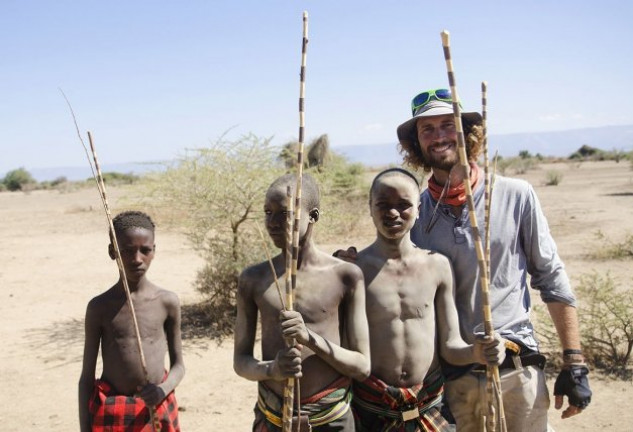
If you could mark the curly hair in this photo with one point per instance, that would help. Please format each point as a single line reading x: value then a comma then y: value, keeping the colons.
x: 412, y: 154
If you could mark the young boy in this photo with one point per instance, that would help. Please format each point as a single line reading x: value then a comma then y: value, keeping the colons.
x: 328, y: 323
x: 411, y: 314
x: 122, y: 398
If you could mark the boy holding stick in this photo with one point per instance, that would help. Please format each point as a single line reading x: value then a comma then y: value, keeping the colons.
x: 122, y: 397
x: 412, y: 318
x: 329, y: 322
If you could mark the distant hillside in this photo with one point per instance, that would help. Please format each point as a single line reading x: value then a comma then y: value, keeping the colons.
x: 559, y: 144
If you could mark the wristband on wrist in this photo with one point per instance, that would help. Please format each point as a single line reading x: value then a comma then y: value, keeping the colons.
x: 572, y: 351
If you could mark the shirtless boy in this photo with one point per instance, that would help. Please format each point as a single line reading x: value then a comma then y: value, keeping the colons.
x: 412, y: 315
x: 329, y: 323
x: 122, y: 395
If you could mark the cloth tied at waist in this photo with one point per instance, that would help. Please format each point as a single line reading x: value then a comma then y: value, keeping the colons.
x: 113, y: 412
x: 411, y: 408
x: 322, y: 408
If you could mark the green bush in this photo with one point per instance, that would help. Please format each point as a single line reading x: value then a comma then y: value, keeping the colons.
x: 19, y: 179
x: 605, y: 316
x: 216, y: 196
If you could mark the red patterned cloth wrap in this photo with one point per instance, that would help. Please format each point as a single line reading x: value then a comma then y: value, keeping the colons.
x: 327, y: 410
x: 110, y: 412
x: 379, y: 407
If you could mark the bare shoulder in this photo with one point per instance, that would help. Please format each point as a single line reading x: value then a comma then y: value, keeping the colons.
x: 102, y: 302
x: 252, y: 276
x: 169, y: 298
x: 350, y: 273
x: 431, y: 256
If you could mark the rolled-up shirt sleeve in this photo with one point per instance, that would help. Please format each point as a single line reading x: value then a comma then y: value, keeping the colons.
x: 544, y: 265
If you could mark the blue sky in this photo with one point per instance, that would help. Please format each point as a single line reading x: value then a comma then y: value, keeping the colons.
x: 152, y: 78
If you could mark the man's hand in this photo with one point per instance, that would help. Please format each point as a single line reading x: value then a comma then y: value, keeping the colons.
x: 287, y: 364
x: 293, y: 327
x: 348, y: 255
x: 151, y: 394
x: 489, y: 350
x: 573, y: 383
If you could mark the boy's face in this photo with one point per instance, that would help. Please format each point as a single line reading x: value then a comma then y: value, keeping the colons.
x: 137, y: 252
x: 276, y: 210
x: 394, y: 205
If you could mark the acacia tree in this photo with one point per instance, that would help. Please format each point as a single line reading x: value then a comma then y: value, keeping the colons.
x: 214, y: 193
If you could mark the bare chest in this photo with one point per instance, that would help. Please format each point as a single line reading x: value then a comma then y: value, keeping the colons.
x: 150, y: 318
x: 397, y: 292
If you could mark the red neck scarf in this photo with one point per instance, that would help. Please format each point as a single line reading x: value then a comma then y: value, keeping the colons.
x: 454, y: 195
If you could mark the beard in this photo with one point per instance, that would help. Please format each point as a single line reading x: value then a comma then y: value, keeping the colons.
x: 444, y: 161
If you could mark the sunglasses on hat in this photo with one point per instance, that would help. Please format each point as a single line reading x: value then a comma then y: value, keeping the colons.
x: 424, y: 98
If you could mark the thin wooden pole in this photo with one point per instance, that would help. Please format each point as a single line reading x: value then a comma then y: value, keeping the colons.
x: 287, y: 424
x: 483, y: 273
x: 490, y: 391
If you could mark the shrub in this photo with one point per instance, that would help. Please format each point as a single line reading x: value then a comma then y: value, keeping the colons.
x: 116, y: 178
x: 605, y: 315
x: 216, y: 196
x: 19, y: 179
x: 553, y: 177
x: 613, y: 250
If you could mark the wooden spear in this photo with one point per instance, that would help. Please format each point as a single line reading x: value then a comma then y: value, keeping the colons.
x: 483, y: 272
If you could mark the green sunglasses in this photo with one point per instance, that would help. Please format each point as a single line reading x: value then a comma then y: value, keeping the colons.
x: 424, y: 98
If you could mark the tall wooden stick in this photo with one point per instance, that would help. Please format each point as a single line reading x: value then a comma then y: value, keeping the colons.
x: 491, y: 417
x: 483, y: 273
x: 155, y: 421
x: 287, y: 423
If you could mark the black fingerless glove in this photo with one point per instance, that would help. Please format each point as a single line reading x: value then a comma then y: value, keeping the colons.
x: 573, y: 383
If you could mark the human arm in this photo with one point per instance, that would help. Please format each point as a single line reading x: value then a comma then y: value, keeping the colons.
x: 352, y: 357
x: 549, y: 277
x: 485, y: 350
x: 87, y: 378
x: 572, y: 380
x: 287, y: 362
x: 153, y: 394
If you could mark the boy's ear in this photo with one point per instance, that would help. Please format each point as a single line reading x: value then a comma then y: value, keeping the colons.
x: 314, y: 215
x: 111, y: 251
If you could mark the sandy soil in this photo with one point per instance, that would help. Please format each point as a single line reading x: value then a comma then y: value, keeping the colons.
x: 54, y: 260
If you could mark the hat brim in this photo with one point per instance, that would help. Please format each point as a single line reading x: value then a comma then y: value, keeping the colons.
x: 407, y: 130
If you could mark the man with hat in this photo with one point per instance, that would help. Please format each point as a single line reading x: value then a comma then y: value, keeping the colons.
x: 521, y: 246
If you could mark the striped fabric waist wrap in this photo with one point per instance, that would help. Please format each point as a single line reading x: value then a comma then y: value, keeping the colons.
x: 375, y: 396
x: 330, y: 404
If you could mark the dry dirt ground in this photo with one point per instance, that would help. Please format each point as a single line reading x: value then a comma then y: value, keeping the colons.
x: 53, y: 260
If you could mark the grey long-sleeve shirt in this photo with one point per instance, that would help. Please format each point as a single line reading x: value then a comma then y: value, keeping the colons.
x: 521, y: 244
